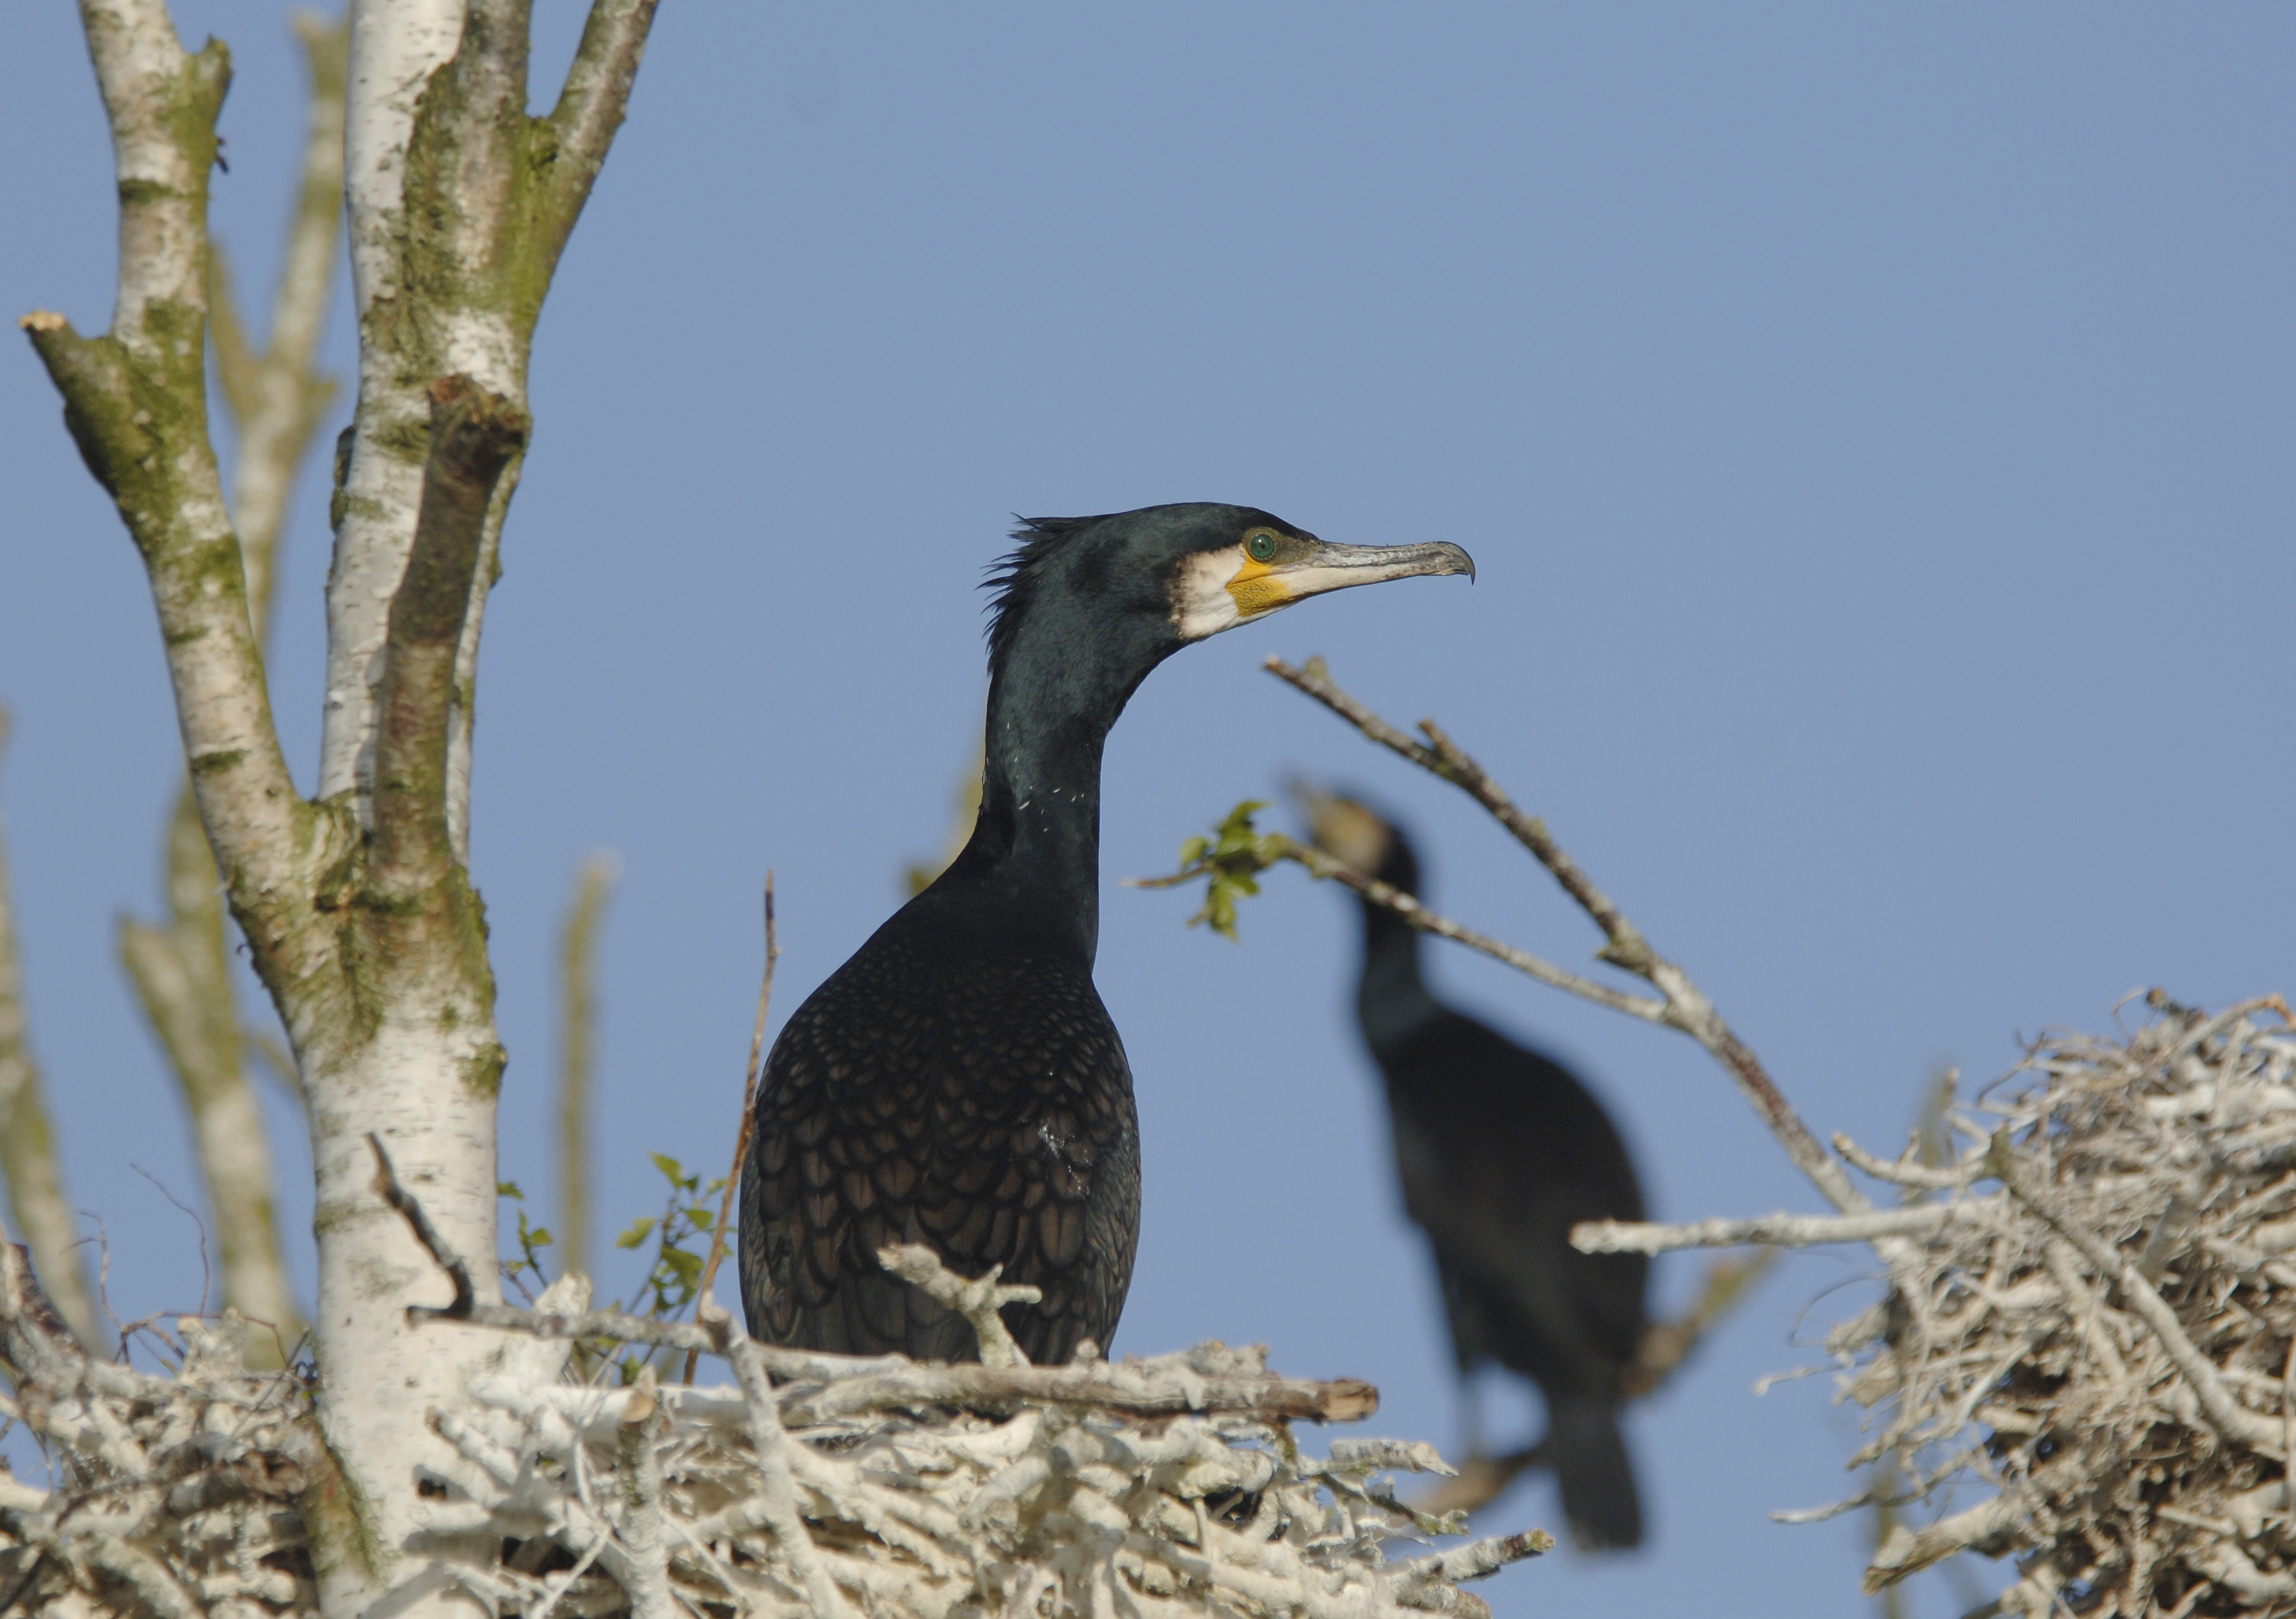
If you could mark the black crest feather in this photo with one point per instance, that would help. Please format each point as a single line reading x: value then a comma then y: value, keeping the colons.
x: 1012, y: 576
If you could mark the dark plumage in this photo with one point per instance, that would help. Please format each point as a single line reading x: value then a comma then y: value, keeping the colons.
x: 959, y: 1082
x: 1501, y: 1151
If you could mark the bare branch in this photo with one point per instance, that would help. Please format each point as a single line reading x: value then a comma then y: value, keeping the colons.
x: 135, y: 401
x: 155, y: 1587
x: 1477, y: 1558
x: 1687, y: 1007
x: 1781, y: 1230
x: 590, y: 108
x: 892, y: 1382
x: 889, y: 1383
x: 28, y: 1149
x: 1444, y: 759
x: 1909, y: 1170
x: 748, y: 1110
x: 1275, y: 845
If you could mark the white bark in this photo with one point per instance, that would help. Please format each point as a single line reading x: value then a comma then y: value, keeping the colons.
x: 377, y: 1374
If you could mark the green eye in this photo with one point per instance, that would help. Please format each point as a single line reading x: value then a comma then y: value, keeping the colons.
x: 1259, y: 546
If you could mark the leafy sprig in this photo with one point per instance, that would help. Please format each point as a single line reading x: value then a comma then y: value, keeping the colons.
x: 1229, y: 861
x: 680, y: 1234
x: 531, y: 1240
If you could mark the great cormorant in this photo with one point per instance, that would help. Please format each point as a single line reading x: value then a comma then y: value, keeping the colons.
x: 959, y: 1082
x: 1501, y: 1151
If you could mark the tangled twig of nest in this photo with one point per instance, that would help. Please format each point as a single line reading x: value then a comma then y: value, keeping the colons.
x: 2090, y: 1316
x: 820, y: 1485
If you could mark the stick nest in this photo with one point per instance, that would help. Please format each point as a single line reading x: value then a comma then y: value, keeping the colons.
x: 2102, y: 1325
x: 181, y: 1496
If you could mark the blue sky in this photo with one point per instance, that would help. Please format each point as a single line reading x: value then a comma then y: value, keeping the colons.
x: 1872, y: 424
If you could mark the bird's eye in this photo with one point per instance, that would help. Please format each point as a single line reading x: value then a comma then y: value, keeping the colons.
x: 1259, y: 545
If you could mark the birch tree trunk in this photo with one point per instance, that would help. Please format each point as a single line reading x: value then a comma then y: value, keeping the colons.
x: 357, y: 905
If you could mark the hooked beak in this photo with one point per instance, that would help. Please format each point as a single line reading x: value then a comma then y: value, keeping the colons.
x: 1262, y: 588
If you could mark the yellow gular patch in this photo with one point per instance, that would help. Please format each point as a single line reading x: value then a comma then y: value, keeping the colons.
x: 1256, y: 589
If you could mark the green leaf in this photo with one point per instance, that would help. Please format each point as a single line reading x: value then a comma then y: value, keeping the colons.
x: 509, y: 1189
x: 538, y: 1238
x: 702, y: 1218
x: 671, y: 1168
x: 640, y: 1229
x: 1231, y: 861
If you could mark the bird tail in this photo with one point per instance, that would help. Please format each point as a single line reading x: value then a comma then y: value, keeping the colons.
x: 1597, y: 1479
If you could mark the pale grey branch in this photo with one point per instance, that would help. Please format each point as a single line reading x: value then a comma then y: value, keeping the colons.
x: 1779, y: 1230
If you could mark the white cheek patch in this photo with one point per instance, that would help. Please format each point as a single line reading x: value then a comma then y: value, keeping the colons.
x: 1201, y: 602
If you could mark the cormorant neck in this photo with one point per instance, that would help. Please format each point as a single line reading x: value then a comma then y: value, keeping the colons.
x: 1035, y: 849
x: 1392, y: 1000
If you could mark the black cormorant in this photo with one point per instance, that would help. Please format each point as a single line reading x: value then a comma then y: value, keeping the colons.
x: 959, y: 1082
x: 1501, y: 1151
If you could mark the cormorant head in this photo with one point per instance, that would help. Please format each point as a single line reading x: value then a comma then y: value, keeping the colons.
x: 1349, y: 830
x: 1154, y: 581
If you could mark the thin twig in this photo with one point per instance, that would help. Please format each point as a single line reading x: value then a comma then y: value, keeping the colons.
x: 749, y: 1115
x: 1408, y: 907
x: 386, y: 1182
x: 1687, y: 1007
x: 206, y: 1276
x: 1909, y: 1172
